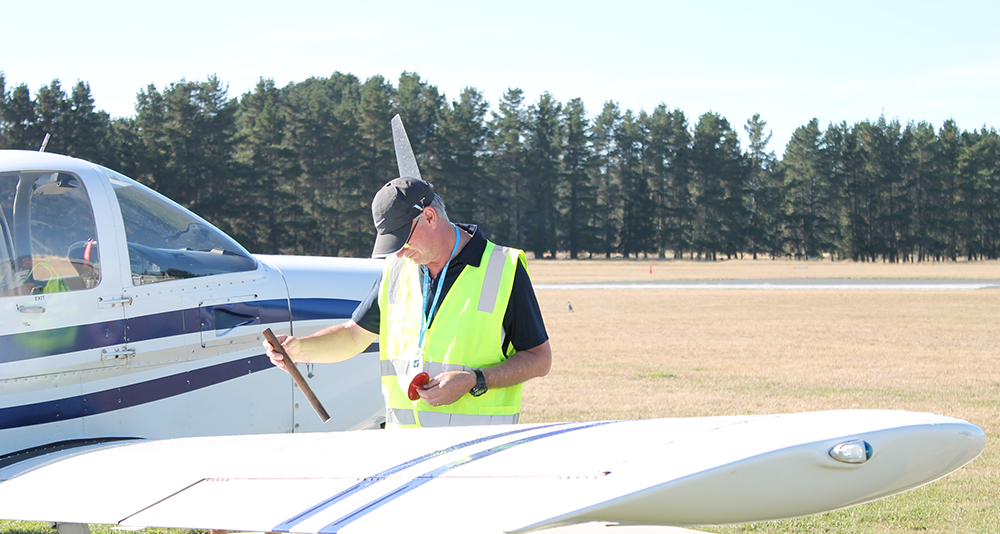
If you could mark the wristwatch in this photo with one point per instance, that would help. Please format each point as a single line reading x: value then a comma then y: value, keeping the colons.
x: 480, y: 386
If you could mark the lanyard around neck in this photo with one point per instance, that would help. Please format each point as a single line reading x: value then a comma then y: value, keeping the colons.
x: 425, y: 314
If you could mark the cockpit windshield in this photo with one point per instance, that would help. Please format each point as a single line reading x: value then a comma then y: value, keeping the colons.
x: 168, y: 242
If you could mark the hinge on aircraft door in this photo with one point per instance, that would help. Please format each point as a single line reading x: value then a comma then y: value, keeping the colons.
x: 117, y: 354
x: 111, y: 302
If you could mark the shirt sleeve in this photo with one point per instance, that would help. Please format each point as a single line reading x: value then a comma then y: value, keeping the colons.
x: 522, y: 321
x: 367, y: 313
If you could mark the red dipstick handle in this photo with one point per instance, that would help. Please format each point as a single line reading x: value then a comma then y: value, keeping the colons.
x: 418, y: 381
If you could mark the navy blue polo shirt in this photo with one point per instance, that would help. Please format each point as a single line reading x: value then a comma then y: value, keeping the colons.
x: 522, y: 322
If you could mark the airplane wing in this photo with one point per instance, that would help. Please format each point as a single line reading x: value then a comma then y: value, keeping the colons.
x: 519, y: 478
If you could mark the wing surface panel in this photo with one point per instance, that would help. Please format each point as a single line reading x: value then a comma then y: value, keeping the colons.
x: 678, y: 471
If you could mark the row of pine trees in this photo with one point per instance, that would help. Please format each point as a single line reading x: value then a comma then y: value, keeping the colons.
x: 292, y: 170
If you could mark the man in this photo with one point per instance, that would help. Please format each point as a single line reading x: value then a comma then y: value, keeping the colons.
x: 449, y: 303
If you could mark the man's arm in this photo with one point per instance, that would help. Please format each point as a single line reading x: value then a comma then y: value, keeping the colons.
x: 519, y: 368
x: 448, y: 387
x: 332, y: 344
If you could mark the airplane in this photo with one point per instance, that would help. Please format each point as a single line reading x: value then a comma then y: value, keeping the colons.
x: 134, y: 394
x: 124, y: 315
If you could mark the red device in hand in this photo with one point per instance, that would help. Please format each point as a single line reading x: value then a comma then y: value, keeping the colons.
x: 418, y: 381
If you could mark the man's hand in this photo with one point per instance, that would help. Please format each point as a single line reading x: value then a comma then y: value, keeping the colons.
x: 291, y: 346
x: 447, y: 387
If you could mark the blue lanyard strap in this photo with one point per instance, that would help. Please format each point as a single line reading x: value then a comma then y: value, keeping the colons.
x: 427, y: 315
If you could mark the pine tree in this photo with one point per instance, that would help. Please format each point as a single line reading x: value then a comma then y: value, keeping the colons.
x: 719, y: 187
x: 577, y: 196
x: 845, y: 149
x: 269, y: 170
x: 87, y: 131
x: 17, y: 118
x: 810, y: 224
x: 638, y: 211
x: 885, y: 161
x: 376, y: 162
x: 764, y: 201
x: 461, y: 180
x: 507, y: 166
x: 321, y: 131
x: 668, y: 164
x: 51, y: 110
x: 188, y: 135
x: 949, y: 141
x: 543, y: 152
x: 980, y: 163
x: 923, y: 236
x: 608, y: 213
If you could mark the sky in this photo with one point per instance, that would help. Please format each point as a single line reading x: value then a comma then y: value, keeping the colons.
x: 789, y: 61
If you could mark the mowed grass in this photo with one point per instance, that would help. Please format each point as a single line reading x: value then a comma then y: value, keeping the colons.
x: 624, y: 354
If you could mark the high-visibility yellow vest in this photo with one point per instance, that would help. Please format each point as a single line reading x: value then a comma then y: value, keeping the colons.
x: 467, y: 333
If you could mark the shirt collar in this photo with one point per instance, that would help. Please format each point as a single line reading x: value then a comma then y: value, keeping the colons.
x: 472, y: 252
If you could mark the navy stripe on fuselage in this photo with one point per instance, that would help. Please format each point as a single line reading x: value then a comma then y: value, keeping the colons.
x: 420, y: 480
x: 29, y: 345
x: 378, y: 477
x: 131, y: 395
x: 50, y: 342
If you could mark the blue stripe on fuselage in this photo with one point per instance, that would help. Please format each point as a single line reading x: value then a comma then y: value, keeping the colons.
x: 131, y: 395
x: 50, y: 342
x: 29, y: 345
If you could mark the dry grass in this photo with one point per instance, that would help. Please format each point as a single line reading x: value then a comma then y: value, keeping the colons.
x: 674, y: 353
x: 566, y: 271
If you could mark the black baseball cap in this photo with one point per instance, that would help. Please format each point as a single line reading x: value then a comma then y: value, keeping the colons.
x: 394, y: 207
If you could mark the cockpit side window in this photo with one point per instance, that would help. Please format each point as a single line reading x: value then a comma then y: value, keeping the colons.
x: 168, y: 242
x: 49, y: 235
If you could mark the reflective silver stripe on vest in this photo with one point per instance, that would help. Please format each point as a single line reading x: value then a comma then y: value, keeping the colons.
x: 491, y: 282
x: 399, y: 367
x: 434, y: 368
x: 460, y: 419
x: 399, y: 417
x: 429, y: 419
x: 394, y: 274
x: 394, y: 367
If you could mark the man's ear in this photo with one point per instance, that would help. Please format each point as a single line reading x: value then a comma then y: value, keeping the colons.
x: 431, y: 217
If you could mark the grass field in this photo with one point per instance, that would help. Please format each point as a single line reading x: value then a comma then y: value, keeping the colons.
x: 625, y: 354
x: 675, y: 353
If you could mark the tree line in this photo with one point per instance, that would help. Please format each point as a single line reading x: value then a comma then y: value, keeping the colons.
x: 292, y: 170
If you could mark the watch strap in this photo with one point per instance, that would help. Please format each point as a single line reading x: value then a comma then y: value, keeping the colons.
x: 480, y: 386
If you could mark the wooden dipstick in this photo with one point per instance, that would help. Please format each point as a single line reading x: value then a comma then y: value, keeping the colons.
x: 296, y: 375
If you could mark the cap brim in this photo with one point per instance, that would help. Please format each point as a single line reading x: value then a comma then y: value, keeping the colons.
x: 391, y: 242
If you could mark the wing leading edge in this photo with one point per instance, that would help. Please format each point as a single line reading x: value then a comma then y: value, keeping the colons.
x: 691, y: 471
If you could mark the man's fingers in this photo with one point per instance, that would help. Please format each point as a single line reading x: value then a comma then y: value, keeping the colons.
x: 276, y: 358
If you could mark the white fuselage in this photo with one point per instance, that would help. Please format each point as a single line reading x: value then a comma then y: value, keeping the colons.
x: 177, y: 357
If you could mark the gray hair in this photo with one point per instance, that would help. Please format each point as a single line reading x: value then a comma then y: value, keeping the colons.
x: 438, y: 206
